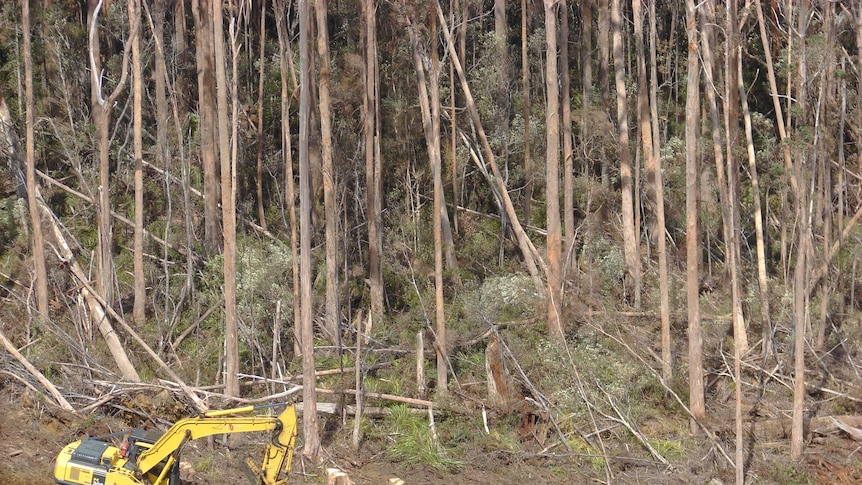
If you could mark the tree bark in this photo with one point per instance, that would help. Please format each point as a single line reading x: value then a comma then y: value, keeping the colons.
x: 371, y: 134
x: 692, y: 121
x: 261, y: 214
x: 227, y: 155
x: 311, y: 449
x: 431, y: 125
x: 630, y: 243
x: 604, y: 68
x: 37, y: 240
x: 290, y: 195
x: 760, y: 246
x: 331, y: 212
x: 552, y: 177
x: 207, y: 123
x: 568, y: 149
x: 526, y: 206
x: 101, y: 109
x: 661, y: 249
x: 137, y: 142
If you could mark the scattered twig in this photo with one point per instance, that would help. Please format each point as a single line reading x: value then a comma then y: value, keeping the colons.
x: 670, y: 391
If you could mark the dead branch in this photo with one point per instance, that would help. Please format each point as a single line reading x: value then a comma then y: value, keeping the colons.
x: 35, y: 372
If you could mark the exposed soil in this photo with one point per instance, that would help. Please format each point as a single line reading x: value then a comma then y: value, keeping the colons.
x: 32, y: 432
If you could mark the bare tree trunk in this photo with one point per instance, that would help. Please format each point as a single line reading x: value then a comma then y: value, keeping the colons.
x: 311, y: 448
x: 776, y: 101
x: 290, y: 195
x: 330, y: 210
x: 820, y: 152
x: 568, y: 150
x: 261, y: 214
x: 526, y: 206
x: 692, y: 121
x: 228, y: 197
x: 37, y: 242
x: 766, y: 322
x: 372, y: 160
x: 208, y: 123
x: 431, y: 125
x: 604, y: 82
x: 453, y: 136
x: 137, y: 142
x: 101, y: 108
x: 630, y: 243
x: 552, y: 177
x: 804, y: 243
x: 800, y: 305
x: 724, y: 175
x: 528, y: 250
x: 740, y: 339
x: 658, y: 180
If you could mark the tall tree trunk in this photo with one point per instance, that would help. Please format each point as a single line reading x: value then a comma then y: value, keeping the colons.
x: 824, y: 105
x: 228, y: 199
x: 664, y: 290
x: 208, y: 122
x: 431, y: 125
x: 102, y: 108
x: 101, y: 121
x: 331, y: 213
x: 725, y: 176
x: 290, y: 195
x: 37, y: 241
x: 604, y: 68
x: 804, y: 243
x: 453, y: 136
x: 800, y: 305
x: 372, y: 160
x: 261, y: 214
x: 568, y: 149
x: 630, y: 243
x: 137, y: 142
x: 552, y: 177
x: 311, y: 449
x: 525, y: 88
x: 692, y: 122
x: 760, y: 245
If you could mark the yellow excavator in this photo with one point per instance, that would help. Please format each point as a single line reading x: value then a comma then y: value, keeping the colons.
x: 151, y: 458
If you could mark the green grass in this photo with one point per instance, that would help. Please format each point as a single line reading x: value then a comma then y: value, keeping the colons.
x: 414, y: 441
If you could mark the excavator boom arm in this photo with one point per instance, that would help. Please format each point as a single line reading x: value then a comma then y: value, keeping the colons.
x: 223, y: 422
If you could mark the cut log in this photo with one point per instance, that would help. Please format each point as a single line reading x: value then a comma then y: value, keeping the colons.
x: 334, y: 476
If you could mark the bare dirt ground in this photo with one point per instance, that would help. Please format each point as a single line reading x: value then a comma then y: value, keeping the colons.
x: 32, y: 432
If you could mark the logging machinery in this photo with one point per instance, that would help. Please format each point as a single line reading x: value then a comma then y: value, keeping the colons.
x: 152, y: 458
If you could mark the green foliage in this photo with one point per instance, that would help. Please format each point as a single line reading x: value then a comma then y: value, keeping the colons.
x: 501, y: 298
x: 608, y: 258
x: 12, y: 220
x: 414, y: 441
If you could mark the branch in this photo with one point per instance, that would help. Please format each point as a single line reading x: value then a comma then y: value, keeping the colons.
x: 35, y: 372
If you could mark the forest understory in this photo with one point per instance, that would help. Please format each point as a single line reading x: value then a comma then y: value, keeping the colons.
x: 475, y: 241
